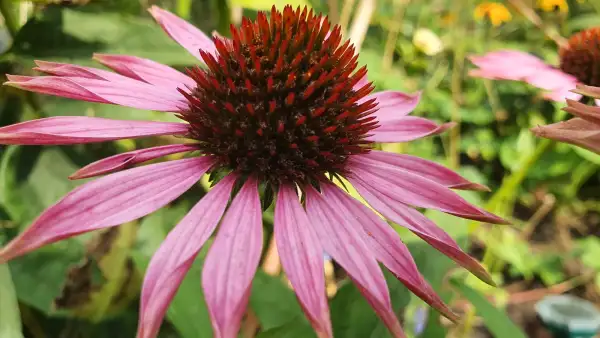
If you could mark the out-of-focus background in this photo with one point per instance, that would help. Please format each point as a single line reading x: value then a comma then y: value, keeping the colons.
x: 89, y: 286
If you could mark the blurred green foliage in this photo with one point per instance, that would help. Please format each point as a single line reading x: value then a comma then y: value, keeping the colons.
x: 88, y: 286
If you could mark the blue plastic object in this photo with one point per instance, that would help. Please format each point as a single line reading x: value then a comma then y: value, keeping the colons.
x: 569, y: 317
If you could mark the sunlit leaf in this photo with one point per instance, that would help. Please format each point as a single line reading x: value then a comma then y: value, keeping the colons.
x: 10, y: 321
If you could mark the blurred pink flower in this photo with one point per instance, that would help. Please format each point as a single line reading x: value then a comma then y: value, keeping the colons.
x: 280, y: 104
x: 579, y: 63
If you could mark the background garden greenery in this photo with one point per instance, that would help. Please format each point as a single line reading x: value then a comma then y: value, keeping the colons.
x: 89, y: 286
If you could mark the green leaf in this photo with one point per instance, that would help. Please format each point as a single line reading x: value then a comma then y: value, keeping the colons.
x: 272, y: 301
x: 584, y: 21
x: 496, y: 320
x: 10, y: 321
x: 33, y: 179
x: 352, y: 316
x: 588, y: 155
x: 63, y: 34
x: 40, y: 276
x: 103, y: 283
x: 261, y: 5
x: 297, y: 328
x: 187, y: 312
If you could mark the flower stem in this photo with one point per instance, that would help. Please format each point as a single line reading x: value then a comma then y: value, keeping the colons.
x: 334, y: 11
x: 392, y: 38
x: 361, y: 22
x: 530, y: 15
x: 10, y: 321
x: 456, y: 86
x: 345, y: 15
x: 183, y: 8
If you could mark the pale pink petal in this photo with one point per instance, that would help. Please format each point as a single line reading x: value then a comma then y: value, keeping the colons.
x: 407, y: 128
x: 342, y: 238
x: 82, y: 129
x: 520, y: 66
x: 129, y: 159
x: 232, y: 262
x: 575, y: 131
x: 302, y: 258
x: 128, y: 92
x: 108, y: 201
x: 176, y: 254
x: 408, y: 188
x: 551, y: 79
x: 393, y: 104
x: 425, y: 168
x: 561, y: 94
x: 422, y: 226
x: 507, y: 65
x: 146, y: 70
x: 184, y: 33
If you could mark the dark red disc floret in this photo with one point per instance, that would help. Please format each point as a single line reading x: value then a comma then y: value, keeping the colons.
x: 278, y: 99
x: 581, y: 56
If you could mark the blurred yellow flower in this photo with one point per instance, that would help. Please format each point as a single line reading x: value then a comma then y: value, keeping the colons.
x: 553, y: 5
x: 427, y: 41
x: 496, y: 12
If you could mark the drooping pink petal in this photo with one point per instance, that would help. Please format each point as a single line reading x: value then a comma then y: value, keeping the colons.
x: 590, y: 91
x: 129, y: 93
x: 588, y: 113
x: 176, y: 254
x: 342, y: 237
x: 146, y: 70
x: 184, y: 33
x: 108, y: 201
x: 393, y: 104
x: 421, y: 226
x: 406, y: 128
x: 387, y: 247
x: 302, y: 258
x: 165, y: 77
x: 69, y: 70
x: 408, y: 188
x: 425, y: 168
x: 507, y: 65
x: 53, y: 86
x: 232, y: 262
x: 126, y: 160
x: 575, y: 131
x: 82, y: 129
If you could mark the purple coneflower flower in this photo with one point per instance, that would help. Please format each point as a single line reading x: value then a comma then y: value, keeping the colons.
x: 579, y: 63
x: 279, y: 105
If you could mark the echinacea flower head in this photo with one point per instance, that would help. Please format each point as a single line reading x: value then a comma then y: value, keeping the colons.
x: 583, y: 130
x: 579, y: 63
x: 495, y: 12
x: 281, y: 105
x: 580, y: 57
